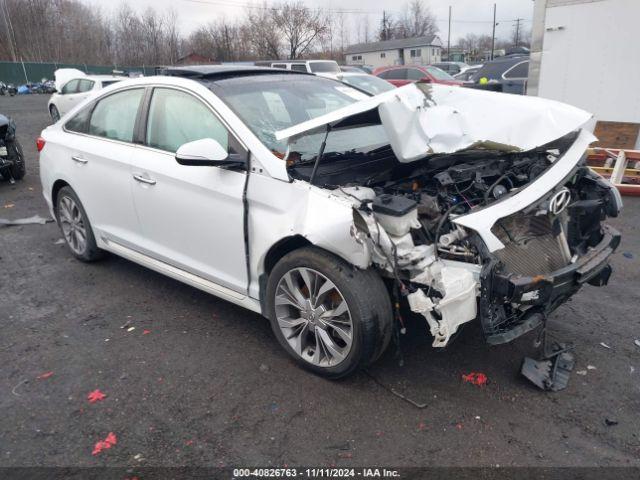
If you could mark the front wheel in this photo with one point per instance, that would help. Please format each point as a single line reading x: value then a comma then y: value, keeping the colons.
x: 331, y: 317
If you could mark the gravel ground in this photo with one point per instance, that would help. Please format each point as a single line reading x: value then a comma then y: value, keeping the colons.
x: 202, y: 382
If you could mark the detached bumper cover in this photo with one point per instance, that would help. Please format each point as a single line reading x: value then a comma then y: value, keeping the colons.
x: 543, y: 293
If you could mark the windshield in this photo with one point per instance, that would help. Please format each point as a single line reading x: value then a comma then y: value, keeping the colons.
x: 439, y: 74
x: 324, y: 67
x: 368, y: 83
x: 269, y: 103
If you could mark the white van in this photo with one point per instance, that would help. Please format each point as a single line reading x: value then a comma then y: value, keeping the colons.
x: 318, y: 67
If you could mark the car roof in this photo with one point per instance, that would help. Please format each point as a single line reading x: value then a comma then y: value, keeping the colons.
x: 221, y: 71
x: 103, y: 77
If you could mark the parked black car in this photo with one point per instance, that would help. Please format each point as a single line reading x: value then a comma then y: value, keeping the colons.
x: 506, y: 74
x: 12, y: 166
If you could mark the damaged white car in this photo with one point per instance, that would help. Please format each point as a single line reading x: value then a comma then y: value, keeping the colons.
x: 328, y: 211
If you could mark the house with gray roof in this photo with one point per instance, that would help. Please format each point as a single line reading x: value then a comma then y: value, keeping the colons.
x: 401, y: 51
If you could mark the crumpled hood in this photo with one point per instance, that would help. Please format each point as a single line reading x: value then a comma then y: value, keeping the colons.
x: 423, y: 119
x: 63, y: 75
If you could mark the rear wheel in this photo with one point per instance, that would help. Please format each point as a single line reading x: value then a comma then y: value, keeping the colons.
x: 75, y: 226
x: 331, y: 317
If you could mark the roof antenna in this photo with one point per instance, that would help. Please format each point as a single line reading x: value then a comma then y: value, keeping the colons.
x: 320, y: 155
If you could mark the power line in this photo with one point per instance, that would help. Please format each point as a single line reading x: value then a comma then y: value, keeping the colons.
x: 353, y: 11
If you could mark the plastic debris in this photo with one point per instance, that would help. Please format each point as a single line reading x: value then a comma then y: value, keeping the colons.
x: 131, y: 329
x: 44, y: 376
x: 9, y: 205
x: 605, y: 345
x: 637, y: 342
x: 96, y: 396
x: 36, y: 219
x: 610, y: 422
x: 146, y: 332
x: 105, y: 444
x: 552, y: 372
x: 581, y: 372
x: 60, y: 241
x: 591, y: 367
x: 627, y: 255
x: 476, y: 378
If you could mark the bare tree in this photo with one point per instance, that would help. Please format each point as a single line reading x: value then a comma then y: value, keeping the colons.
x: 262, y: 33
x: 300, y: 26
x: 416, y: 21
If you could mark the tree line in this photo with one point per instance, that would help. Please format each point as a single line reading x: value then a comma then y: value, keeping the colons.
x: 70, y: 31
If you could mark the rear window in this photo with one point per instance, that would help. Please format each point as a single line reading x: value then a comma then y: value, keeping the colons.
x: 299, y: 67
x: 324, y: 67
x: 394, y: 74
x: 85, y: 85
x: 521, y: 70
x: 106, y: 83
x: 439, y: 74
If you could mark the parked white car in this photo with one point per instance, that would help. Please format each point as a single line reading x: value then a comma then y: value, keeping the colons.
x: 73, y: 86
x: 319, y: 67
x: 296, y: 197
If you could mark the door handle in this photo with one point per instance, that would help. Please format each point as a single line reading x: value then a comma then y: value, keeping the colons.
x: 79, y: 159
x: 149, y: 181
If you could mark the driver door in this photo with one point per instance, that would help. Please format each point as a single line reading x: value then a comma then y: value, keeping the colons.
x: 191, y: 217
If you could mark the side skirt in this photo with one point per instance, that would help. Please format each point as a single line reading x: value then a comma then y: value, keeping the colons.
x: 182, y: 276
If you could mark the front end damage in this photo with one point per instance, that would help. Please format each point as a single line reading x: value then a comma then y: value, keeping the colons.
x: 499, y: 225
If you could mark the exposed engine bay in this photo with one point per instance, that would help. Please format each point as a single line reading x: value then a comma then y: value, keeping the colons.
x: 406, y: 216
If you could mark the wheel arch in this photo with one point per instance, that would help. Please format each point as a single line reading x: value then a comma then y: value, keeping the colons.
x: 55, y: 189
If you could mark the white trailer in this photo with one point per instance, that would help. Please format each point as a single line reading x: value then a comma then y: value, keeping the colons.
x: 587, y: 53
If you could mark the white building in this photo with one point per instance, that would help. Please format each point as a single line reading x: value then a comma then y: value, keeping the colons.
x: 587, y: 53
x: 405, y: 51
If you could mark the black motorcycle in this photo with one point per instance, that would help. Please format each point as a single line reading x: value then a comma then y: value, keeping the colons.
x: 12, y: 166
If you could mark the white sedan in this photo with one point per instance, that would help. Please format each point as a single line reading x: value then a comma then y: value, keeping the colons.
x: 334, y: 213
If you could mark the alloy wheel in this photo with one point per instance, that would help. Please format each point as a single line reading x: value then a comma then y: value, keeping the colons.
x: 314, y: 317
x: 72, y: 224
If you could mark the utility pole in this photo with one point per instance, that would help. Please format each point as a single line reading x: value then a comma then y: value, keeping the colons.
x: 385, y: 34
x: 449, y: 37
x: 493, y: 34
x: 518, y: 20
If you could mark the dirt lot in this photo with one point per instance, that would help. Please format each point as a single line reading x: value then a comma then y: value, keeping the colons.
x: 202, y: 382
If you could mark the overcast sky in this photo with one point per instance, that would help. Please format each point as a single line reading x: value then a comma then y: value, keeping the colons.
x: 468, y: 15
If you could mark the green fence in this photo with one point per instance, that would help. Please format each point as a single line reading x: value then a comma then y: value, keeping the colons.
x: 19, y: 72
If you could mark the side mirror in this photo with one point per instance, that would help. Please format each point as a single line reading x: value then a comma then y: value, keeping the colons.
x: 205, y: 152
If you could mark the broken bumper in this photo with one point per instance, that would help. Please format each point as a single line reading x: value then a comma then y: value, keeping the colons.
x: 542, y: 293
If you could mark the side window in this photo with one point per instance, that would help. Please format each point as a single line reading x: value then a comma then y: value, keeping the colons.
x: 521, y: 70
x: 176, y: 118
x: 115, y: 115
x: 80, y: 121
x: 70, y: 87
x: 396, y: 74
x: 85, y: 85
x: 279, y: 65
x: 299, y: 67
x: 414, y: 74
x: 383, y: 55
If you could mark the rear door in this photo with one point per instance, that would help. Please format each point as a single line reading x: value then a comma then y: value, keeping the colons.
x: 65, y: 100
x: 191, y: 216
x: 515, y: 79
x: 97, y: 149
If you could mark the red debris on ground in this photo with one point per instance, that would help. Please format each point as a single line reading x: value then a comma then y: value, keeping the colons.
x: 105, y: 444
x: 44, y: 375
x: 459, y: 426
x: 476, y: 378
x: 188, y: 442
x: 146, y: 332
x: 95, y: 396
x: 422, y: 426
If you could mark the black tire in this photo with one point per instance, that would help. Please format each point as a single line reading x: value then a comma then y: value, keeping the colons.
x: 18, y: 169
x: 90, y: 252
x: 55, y: 114
x: 368, y: 303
